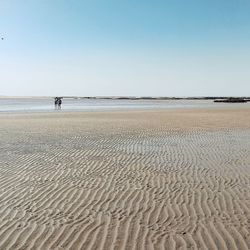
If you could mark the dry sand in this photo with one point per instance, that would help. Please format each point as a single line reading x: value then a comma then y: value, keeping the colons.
x: 174, y: 179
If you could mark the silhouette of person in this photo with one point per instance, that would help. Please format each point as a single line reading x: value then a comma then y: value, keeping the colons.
x: 59, y: 103
x: 56, y: 102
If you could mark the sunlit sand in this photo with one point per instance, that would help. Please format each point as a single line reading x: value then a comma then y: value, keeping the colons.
x: 169, y: 179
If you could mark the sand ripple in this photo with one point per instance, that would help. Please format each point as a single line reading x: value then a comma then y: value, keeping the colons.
x: 111, y: 183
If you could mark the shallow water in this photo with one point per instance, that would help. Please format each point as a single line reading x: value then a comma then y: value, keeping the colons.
x: 47, y: 104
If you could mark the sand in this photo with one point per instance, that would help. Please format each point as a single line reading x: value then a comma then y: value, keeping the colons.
x: 170, y: 179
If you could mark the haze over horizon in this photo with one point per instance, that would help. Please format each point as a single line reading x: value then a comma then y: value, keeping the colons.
x: 112, y: 48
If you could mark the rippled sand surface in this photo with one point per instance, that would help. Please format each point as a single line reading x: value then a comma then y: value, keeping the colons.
x: 176, y: 179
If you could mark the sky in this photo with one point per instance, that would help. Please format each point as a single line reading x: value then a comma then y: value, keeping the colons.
x: 125, y: 48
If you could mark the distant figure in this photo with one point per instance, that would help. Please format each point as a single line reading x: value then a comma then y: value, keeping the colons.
x: 59, y: 103
x: 56, y: 102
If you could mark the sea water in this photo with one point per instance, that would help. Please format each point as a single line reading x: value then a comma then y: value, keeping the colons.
x: 74, y: 104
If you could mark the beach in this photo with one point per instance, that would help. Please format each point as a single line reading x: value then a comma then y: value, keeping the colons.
x: 138, y: 179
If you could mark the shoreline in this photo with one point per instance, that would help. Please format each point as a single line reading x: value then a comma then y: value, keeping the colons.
x: 114, y: 106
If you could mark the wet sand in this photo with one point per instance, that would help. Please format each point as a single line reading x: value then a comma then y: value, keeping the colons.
x: 173, y: 179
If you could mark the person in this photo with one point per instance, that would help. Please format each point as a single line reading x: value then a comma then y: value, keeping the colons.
x: 56, y: 102
x: 59, y: 103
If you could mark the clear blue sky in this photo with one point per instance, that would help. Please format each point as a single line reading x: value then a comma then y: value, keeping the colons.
x: 137, y: 48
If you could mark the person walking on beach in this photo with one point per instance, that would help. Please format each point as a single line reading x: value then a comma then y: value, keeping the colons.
x: 59, y: 103
x: 56, y: 102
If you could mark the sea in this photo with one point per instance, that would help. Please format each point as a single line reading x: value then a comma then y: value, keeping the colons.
x: 17, y: 105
